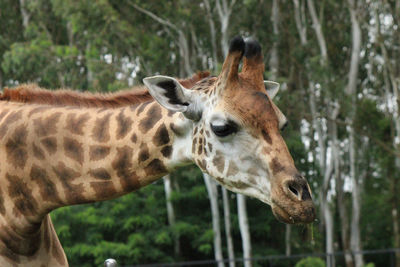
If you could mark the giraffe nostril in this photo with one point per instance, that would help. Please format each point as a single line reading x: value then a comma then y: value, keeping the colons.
x: 294, y: 191
x: 306, y: 195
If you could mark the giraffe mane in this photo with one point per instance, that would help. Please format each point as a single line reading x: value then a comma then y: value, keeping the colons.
x: 32, y: 93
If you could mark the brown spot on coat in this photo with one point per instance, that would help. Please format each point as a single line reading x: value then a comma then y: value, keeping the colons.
x: 73, y: 192
x: 161, y: 136
x: 46, y: 126
x: 2, y: 207
x: 153, y: 116
x: 75, y: 123
x: 200, y: 148
x: 103, y: 190
x: 20, y: 192
x: 155, y: 168
x: 239, y: 185
x: 276, y: 166
x: 47, y: 234
x: 50, y: 143
x: 37, y: 152
x: 73, y: 149
x: 141, y: 108
x: 16, y: 147
x: 166, y: 151
x: 124, y: 125
x: 123, y: 166
x: 194, y: 145
x: 232, y: 169
x: 98, y: 152
x: 9, y: 255
x: 202, y: 164
x: 143, y: 153
x: 134, y: 138
x: 170, y: 113
x: 267, y: 137
x: 210, y: 148
x: 100, y: 173
x: 47, y: 188
x: 100, y: 131
x: 219, y: 161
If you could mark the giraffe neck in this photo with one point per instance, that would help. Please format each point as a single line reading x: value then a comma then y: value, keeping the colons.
x: 59, y: 156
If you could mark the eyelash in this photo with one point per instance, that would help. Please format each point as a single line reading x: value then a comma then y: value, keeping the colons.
x: 224, y: 130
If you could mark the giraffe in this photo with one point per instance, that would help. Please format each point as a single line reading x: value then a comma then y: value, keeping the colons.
x: 57, y: 155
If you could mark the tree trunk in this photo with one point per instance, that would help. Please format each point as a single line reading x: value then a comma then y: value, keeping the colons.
x: 244, y: 229
x: 228, y: 232
x: 274, y: 60
x: 318, y: 31
x: 355, y: 240
x: 299, y: 17
x: 224, y: 13
x: 171, y: 212
x: 213, y: 195
x: 212, y: 33
x: 340, y: 198
x: 24, y: 13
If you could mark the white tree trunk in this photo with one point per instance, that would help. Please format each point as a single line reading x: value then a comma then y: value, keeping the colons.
x: 24, y: 13
x: 340, y: 200
x: 318, y: 31
x: 224, y: 13
x: 244, y: 229
x: 299, y: 17
x: 171, y: 211
x: 213, y: 195
x: 212, y: 32
x: 274, y: 60
x: 355, y: 240
x: 228, y: 232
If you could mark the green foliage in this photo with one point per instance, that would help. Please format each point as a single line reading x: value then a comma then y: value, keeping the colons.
x: 310, y: 262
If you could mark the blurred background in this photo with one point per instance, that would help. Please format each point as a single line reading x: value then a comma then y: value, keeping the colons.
x: 338, y: 63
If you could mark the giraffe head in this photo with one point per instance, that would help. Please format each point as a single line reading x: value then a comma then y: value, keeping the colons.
x: 231, y: 130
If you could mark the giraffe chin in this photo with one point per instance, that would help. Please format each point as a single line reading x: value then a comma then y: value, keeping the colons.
x: 307, y: 215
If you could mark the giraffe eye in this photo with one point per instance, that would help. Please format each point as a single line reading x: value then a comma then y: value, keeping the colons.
x: 224, y: 130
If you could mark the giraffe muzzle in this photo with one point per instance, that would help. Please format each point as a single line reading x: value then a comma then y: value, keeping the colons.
x: 292, y: 202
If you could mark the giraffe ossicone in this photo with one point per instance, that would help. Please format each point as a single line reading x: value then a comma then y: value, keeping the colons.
x: 63, y: 148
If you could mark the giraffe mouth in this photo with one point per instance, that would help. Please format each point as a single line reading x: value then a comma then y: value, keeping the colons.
x: 292, y: 214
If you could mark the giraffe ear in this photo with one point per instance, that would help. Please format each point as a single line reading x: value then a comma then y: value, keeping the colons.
x: 272, y: 88
x: 170, y: 94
